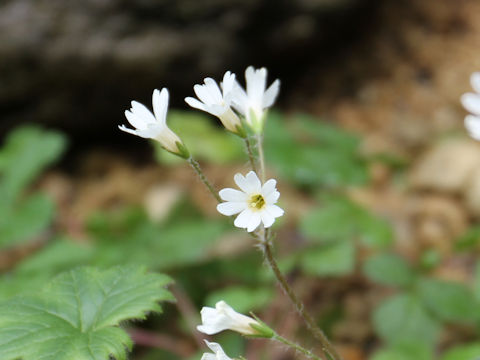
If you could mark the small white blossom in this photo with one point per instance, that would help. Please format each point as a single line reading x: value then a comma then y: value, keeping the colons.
x: 154, y: 126
x: 471, y: 102
x: 255, y: 203
x: 253, y: 103
x: 223, y: 317
x: 218, y: 353
x: 216, y: 102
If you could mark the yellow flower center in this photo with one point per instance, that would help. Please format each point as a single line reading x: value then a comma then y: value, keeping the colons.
x: 257, y: 202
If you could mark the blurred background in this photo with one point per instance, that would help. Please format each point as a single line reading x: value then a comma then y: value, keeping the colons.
x: 376, y: 173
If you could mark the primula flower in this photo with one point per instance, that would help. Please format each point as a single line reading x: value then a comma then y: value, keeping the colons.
x: 253, y: 103
x: 148, y: 125
x: 218, y: 353
x: 216, y: 102
x: 223, y: 317
x: 471, y: 102
x: 254, y: 202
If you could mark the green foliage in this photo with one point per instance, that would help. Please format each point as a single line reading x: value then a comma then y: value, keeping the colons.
x: 25, y: 154
x: 405, y: 351
x: 77, y: 315
x: 389, y: 269
x: 131, y: 237
x: 203, y: 139
x: 403, y: 318
x: 339, y: 218
x: 469, y: 240
x: 449, y: 301
x: 463, y: 352
x: 332, y: 259
x: 307, y: 151
x: 241, y: 298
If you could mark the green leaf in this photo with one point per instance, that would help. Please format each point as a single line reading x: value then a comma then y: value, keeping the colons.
x: 21, y: 223
x: 463, y: 352
x: 241, y: 298
x: 448, y: 300
x: 77, y: 315
x: 26, y: 153
x: 338, y: 218
x: 203, y: 139
x: 333, y: 259
x: 389, y: 269
x: 130, y: 237
x: 405, y: 351
x: 310, y: 152
x: 402, y: 318
x: 469, y: 240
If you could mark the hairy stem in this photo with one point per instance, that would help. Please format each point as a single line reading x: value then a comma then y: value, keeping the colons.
x: 296, y: 347
x: 196, y: 167
x: 327, y: 347
x: 251, y: 156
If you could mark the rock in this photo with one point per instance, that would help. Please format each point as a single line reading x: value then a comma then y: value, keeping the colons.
x: 77, y: 65
x: 448, y: 166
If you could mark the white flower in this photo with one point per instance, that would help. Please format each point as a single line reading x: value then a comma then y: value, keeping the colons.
x: 218, y: 353
x: 471, y: 102
x: 216, y: 102
x: 253, y: 103
x: 148, y: 125
x: 255, y: 202
x: 223, y: 317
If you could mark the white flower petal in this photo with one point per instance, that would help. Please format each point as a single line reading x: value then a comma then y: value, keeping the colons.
x: 253, y: 183
x: 142, y: 112
x: 254, y: 221
x: 275, y: 210
x: 471, y: 102
x: 218, y: 353
x: 136, y: 121
x: 195, y: 103
x: 228, y: 83
x: 209, y: 356
x: 271, y: 94
x: 130, y: 131
x: 160, y: 105
x: 269, y: 187
x: 214, y: 90
x: 229, y: 194
x: 243, y: 218
x: 267, y: 218
x: 472, y: 124
x: 475, y: 81
x: 272, y: 198
x: 231, y: 208
x: 203, y: 94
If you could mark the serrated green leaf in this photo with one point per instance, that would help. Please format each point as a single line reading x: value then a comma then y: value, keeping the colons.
x: 389, y: 269
x: 77, y: 315
x: 332, y: 259
x: 241, y: 298
x: 203, y: 139
x: 463, y: 352
x: 448, y: 300
x: 338, y: 218
x: 403, y: 318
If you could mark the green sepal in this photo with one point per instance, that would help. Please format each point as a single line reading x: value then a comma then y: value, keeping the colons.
x: 182, y: 150
x: 262, y: 329
x: 240, y: 131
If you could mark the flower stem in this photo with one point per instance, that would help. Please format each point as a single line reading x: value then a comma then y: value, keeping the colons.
x: 196, y: 167
x: 251, y: 156
x: 296, y: 347
x: 261, y: 158
x: 327, y: 347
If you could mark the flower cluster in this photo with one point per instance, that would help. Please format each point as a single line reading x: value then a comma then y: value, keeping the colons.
x: 228, y: 102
